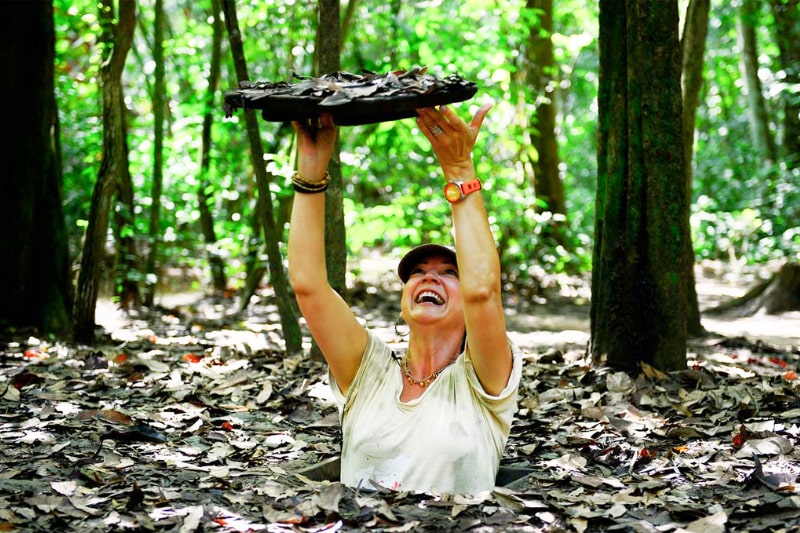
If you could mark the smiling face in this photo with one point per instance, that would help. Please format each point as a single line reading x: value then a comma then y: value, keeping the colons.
x: 432, y: 293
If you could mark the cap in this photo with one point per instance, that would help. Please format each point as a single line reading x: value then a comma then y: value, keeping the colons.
x: 418, y: 254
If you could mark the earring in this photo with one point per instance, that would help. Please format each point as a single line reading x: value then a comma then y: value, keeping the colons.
x: 400, y: 322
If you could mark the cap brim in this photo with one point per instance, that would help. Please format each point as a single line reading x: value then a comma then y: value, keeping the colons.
x: 418, y: 254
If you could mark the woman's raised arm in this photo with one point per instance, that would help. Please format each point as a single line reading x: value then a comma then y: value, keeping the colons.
x: 333, y: 325
x: 452, y: 140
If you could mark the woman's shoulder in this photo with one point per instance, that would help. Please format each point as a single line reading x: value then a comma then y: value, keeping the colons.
x: 514, y: 377
x: 377, y: 353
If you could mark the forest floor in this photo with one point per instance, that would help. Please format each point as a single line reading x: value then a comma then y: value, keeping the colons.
x: 189, y: 417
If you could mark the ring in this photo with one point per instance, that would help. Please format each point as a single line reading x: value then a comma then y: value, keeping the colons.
x: 436, y: 130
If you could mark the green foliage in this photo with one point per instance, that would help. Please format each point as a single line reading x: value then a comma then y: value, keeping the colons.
x: 760, y: 229
x: 745, y: 209
x: 392, y: 183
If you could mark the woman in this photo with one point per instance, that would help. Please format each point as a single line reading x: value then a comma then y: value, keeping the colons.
x: 436, y: 419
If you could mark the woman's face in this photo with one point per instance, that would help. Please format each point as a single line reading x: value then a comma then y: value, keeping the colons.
x: 432, y: 293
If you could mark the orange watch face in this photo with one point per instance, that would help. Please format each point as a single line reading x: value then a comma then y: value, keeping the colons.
x: 452, y: 192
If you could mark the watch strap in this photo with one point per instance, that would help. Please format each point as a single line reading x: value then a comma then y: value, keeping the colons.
x: 470, y: 186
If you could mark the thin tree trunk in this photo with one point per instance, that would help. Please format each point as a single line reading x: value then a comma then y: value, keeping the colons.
x: 335, y: 238
x: 693, y: 44
x: 546, y: 181
x: 759, y: 120
x: 127, y: 269
x: 638, y: 309
x: 347, y: 21
x: 787, y: 37
x: 256, y: 267
x: 159, y: 100
x: 286, y: 309
x: 117, y: 42
x: 204, y: 196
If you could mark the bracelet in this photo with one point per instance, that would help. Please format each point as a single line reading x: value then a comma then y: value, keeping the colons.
x: 309, y: 187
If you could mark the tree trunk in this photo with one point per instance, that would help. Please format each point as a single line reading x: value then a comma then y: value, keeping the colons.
x: 35, y: 279
x: 638, y: 309
x: 255, y: 266
x: 159, y: 101
x: 779, y: 294
x: 541, y: 70
x: 347, y: 21
x: 286, y: 309
x: 787, y: 37
x: 117, y: 42
x: 127, y: 271
x: 693, y: 45
x: 335, y: 239
x: 204, y: 196
x: 759, y: 120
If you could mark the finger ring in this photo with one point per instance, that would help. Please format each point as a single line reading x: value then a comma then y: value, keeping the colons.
x: 436, y: 130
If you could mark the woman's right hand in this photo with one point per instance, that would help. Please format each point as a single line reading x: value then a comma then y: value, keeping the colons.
x: 339, y: 335
x: 315, y: 141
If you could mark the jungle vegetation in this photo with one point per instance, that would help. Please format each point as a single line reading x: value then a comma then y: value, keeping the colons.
x: 188, y: 203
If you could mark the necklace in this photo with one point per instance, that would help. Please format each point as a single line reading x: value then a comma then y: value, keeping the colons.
x: 424, y: 382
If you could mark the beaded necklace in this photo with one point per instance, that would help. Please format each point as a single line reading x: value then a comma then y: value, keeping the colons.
x: 424, y: 382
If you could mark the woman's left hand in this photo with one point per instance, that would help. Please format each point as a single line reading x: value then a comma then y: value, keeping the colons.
x: 451, y: 138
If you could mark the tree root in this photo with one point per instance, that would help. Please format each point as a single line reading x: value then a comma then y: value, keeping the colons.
x: 779, y: 294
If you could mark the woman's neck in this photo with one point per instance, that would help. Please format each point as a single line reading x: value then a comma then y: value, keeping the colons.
x: 430, y: 350
x: 427, y: 356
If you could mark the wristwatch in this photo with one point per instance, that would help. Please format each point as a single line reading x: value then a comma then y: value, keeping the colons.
x: 455, y: 191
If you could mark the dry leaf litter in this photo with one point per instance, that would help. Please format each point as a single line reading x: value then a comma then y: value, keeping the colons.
x: 193, y: 419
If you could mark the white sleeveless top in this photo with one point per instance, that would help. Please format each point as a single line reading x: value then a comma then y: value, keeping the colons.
x: 449, y: 440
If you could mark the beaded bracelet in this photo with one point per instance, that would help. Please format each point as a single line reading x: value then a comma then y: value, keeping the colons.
x: 309, y: 187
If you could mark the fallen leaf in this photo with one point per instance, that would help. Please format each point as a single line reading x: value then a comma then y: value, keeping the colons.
x: 65, y: 488
x: 192, y: 358
x: 108, y: 415
x: 137, y: 433
x: 709, y: 524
